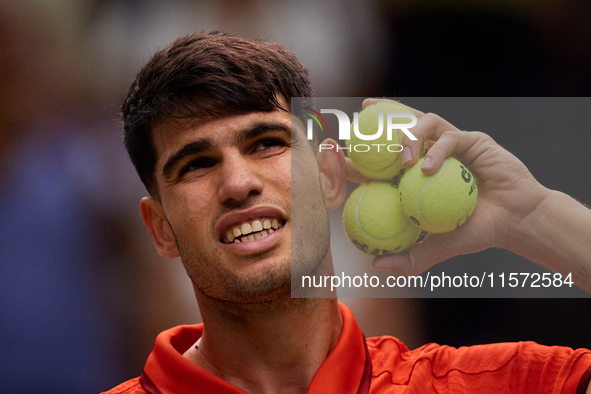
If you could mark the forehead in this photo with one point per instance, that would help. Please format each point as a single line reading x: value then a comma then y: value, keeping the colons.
x: 169, y: 137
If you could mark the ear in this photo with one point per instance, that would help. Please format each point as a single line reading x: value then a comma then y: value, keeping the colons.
x: 333, y: 175
x: 159, y: 228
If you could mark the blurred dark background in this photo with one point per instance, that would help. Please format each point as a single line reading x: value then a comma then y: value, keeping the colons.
x: 82, y: 291
x: 502, y: 49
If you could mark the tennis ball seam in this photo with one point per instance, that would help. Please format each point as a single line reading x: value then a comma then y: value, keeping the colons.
x: 424, y: 186
x: 363, y: 229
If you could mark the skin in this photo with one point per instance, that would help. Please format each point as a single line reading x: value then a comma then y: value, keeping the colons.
x: 514, y: 211
x: 256, y: 335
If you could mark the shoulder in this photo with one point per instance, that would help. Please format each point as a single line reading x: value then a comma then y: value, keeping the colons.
x: 516, y: 364
x: 132, y: 386
x: 469, y: 359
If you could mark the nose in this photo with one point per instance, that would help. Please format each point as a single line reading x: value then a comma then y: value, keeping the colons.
x: 240, y: 179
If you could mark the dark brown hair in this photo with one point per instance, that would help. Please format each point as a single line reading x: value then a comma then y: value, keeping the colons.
x: 206, y: 76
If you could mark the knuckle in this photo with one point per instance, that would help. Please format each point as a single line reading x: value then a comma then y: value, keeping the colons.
x: 482, y: 136
x: 432, y: 117
x: 450, y: 134
x: 405, y: 269
x: 415, y: 263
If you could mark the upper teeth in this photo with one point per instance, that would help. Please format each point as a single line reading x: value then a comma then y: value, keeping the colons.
x: 260, y: 227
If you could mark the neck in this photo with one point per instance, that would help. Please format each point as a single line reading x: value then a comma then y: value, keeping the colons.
x: 270, y: 349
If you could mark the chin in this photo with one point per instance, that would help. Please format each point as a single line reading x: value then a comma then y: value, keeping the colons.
x: 264, y: 282
x: 263, y: 286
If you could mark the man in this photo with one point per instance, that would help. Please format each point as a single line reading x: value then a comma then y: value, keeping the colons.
x: 209, y: 129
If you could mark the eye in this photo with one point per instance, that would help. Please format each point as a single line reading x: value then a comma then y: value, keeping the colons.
x: 197, y: 164
x: 268, y: 144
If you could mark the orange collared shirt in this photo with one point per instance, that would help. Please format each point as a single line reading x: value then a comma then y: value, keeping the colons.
x: 522, y: 367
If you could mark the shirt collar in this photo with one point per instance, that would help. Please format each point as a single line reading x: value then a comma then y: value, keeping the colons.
x: 347, y: 369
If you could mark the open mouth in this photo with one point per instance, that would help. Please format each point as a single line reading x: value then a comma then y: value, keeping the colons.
x: 252, y: 230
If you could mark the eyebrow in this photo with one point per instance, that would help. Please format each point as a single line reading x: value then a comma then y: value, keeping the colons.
x: 261, y: 128
x: 190, y: 149
x: 205, y: 144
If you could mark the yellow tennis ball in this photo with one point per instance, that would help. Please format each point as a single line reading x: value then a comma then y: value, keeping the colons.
x: 374, y: 220
x: 440, y: 202
x: 378, y: 158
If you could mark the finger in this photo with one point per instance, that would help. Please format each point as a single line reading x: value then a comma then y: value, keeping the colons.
x: 412, y: 149
x: 428, y: 127
x: 353, y: 174
x: 464, y: 145
x: 471, y: 237
x: 371, y: 101
x: 419, y: 257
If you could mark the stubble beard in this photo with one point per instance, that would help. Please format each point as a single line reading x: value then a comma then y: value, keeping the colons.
x: 273, y: 285
x: 211, y: 278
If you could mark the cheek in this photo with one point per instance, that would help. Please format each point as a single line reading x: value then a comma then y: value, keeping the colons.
x: 304, y: 172
x: 281, y: 173
x: 306, y: 192
x: 188, y: 211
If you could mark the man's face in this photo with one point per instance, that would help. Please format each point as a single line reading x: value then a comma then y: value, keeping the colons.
x: 225, y: 188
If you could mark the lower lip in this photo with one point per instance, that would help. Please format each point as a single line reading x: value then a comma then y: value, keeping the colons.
x: 256, y: 246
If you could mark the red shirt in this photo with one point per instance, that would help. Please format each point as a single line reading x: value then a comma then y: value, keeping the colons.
x: 523, y: 367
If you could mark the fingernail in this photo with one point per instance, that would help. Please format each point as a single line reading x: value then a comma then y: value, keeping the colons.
x: 406, y: 155
x: 426, y: 162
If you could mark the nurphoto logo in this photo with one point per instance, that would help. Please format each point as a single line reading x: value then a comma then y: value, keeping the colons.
x: 344, y: 124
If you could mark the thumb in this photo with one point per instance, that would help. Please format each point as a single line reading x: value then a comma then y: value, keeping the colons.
x: 419, y: 257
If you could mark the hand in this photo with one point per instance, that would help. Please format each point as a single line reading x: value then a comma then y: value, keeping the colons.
x: 507, y: 193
